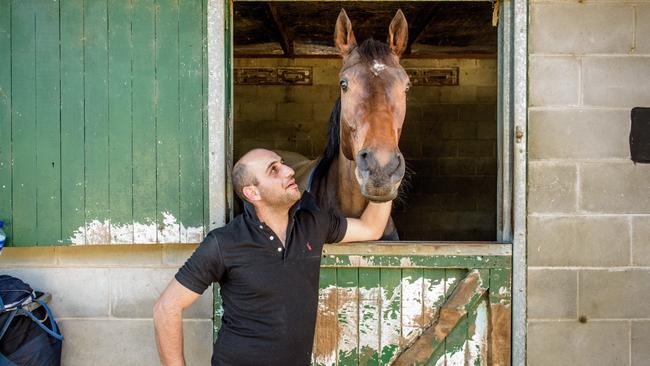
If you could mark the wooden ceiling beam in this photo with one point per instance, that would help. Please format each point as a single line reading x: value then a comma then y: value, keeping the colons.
x: 427, y: 17
x: 286, y: 36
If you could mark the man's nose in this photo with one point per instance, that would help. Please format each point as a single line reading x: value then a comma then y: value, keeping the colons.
x: 288, y: 171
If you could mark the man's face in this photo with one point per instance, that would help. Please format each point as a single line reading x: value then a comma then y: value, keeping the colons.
x: 276, y: 183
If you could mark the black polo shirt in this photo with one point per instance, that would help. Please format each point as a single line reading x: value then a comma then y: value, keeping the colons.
x: 269, y: 293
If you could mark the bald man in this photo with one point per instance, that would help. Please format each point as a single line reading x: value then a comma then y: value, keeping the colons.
x: 267, y: 263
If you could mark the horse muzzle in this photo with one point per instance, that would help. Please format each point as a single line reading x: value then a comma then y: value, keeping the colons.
x: 379, y: 182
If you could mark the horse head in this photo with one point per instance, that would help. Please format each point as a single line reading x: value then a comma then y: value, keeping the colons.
x: 373, y: 106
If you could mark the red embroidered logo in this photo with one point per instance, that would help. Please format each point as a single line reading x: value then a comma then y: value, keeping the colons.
x: 308, y: 246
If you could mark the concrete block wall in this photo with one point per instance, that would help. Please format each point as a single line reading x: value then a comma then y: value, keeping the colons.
x: 103, y: 296
x: 449, y: 140
x: 589, y: 205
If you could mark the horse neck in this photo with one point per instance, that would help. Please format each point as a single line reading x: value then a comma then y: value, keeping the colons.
x: 348, y: 192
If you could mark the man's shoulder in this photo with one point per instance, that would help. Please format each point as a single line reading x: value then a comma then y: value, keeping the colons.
x: 227, y: 234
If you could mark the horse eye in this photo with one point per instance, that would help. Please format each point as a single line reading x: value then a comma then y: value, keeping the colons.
x: 344, y: 85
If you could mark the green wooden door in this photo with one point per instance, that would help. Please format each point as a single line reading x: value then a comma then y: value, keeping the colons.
x: 103, y: 136
x: 410, y: 304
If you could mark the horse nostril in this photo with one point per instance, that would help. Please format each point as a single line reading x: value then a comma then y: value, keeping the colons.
x: 363, y: 160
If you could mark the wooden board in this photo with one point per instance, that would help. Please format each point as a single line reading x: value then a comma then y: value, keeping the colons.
x: 102, y: 107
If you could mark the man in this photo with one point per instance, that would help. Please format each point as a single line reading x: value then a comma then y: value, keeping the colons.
x: 267, y: 263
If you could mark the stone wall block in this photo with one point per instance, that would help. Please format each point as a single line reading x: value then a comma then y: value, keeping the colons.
x: 642, y: 31
x: 641, y: 241
x: 27, y: 256
x: 640, y: 342
x: 327, y: 75
x: 580, y: 28
x: 111, y: 255
x: 551, y: 188
x: 258, y: 111
x: 552, y: 294
x: 175, y: 255
x: 553, y: 80
x: 578, y: 241
x: 134, y: 292
x: 615, y: 293
x: 622, y: 82
x: 76, y: 292
x: 478, y: 77
x: 615, y: 188
x: 576, y: 344
x: 578, y: 134
x: 294, y: 112
x: 128, y: 342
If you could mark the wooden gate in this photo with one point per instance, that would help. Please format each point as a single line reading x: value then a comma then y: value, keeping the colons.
x: 412, y: 304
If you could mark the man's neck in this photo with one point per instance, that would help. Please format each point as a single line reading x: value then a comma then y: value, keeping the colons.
x: 277, y: 218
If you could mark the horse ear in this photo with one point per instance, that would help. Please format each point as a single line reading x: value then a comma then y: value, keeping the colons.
x: 398, y: 32
x: 343, y: 35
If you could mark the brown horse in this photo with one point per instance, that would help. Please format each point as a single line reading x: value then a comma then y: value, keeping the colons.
x: 362, y: 161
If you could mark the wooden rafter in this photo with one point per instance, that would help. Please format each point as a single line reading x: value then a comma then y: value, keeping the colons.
x: 286, y: 36
x: 422, y: 27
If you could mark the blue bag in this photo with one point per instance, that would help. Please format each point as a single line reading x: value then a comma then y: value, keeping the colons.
x: 26, y: 337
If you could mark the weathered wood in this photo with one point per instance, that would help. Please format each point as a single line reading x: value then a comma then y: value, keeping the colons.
x: 369, y: 316
x: 144, y: 141
x: 167, y: 123
x: 500, y: 317
x: 325, y: 344
x: 467, y: 293
x: 48, y: 122
x: 191, y: 168
x: 5, y: 117
x: 23, y: 139
x: 285, y: 34
x: 426, y: 17
x: 391, y: 308
x: 72, y: 117
x: 97, y: 225
x: 120, y: 123
x: 477, y: 335
x: 396, y: 261
x: 347, y: 288
x: 413, y: 248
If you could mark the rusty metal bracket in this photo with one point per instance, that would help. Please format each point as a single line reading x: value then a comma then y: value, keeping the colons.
x: 439, y: 76
x: 273, y: 76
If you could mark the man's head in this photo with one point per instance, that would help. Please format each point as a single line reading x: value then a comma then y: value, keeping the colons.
x: 261, y: 178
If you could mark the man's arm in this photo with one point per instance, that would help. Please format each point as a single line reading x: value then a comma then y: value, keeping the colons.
x: 371, y: 224
x: 168, y: 322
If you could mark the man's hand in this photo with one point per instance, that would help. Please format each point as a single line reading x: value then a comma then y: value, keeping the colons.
x: 371, y: 224
x: 168, y: 321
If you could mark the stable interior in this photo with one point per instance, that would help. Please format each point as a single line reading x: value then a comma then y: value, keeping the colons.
x: 286, y: 82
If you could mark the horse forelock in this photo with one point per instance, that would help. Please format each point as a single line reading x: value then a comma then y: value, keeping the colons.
x: 373, y: 52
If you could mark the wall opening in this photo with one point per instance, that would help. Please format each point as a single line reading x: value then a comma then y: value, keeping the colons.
x: 286, y: 82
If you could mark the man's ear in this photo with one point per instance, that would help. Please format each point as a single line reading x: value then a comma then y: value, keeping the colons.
x: 251, y: 193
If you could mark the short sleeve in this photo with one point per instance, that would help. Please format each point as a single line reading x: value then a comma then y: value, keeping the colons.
x: 204, y: 267
x: 335, y: 224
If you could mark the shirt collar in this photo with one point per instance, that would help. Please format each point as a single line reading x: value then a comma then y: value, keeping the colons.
x: 306, y: 202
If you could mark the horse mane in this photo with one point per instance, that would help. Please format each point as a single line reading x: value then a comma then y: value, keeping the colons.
x: 333, y: 137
